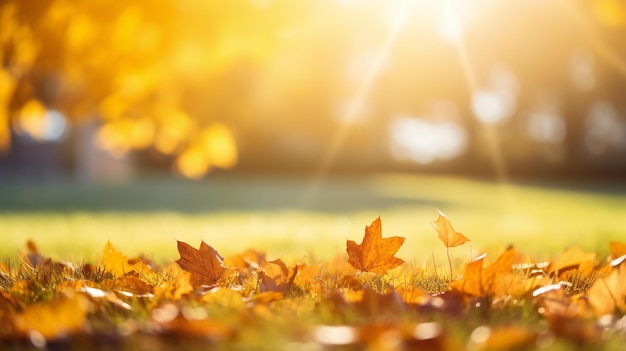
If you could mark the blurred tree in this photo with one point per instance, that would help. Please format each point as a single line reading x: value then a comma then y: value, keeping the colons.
x: 154, y: 73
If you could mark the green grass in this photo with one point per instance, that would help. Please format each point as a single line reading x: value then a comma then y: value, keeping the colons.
x: 74, y: 221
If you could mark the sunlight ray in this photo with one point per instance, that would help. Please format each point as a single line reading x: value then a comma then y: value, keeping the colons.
x: 495, y: 153
x: 357, y: 103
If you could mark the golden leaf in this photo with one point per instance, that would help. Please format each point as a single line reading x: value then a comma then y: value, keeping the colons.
x: 446, y: 232
x: 608, y: 295
x: 374, y: 254
x: 118, y: 264
x: 493, y: 280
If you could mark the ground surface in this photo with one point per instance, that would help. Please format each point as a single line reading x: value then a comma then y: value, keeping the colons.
x: 92, y: 293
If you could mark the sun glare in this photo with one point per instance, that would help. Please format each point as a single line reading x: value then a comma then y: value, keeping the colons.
x: 316, y: 82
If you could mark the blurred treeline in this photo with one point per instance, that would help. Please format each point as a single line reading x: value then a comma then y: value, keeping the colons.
x: 105, y: 89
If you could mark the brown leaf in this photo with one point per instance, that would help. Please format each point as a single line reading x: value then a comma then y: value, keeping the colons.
x: 446, y: 232
x: 205, y: 264
x: 374, y: 254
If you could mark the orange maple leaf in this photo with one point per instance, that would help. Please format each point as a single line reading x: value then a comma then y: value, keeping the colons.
x: 204, y: 264
x: 446, y: 232
x: 374, y: 254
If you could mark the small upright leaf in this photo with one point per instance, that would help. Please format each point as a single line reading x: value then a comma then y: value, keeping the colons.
x: 446, y: 233
x: 205, y: 264
x: 374, y: 254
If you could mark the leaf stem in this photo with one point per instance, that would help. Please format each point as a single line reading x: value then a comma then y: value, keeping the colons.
x: 449, y: 260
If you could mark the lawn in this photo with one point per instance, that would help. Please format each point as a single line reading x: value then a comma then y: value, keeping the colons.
x: 313, y: 297
x: 285, y: 217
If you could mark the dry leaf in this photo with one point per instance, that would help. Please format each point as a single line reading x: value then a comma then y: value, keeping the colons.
x: 275, y: 277
x: 118, y: 264
x: 374, y: 254
x: 608, y: 295
x: 205, y: 264
x: 617, y: 249
x: 175, y: 284
x: 446, y: 232
x: 480, y: 281
x: 574, y: 259
x: 249, y: 259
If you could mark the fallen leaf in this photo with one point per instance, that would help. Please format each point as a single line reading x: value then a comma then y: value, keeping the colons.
x: 99, y: 295
x: 275, y: 277
x: 175, y: 283
x: 249, y: 259
x: 118, y: 264
x: 574, y: 259
x: 374, y: 254
x: 617, y: 249
x: 52, y: 320
x: 205, y: 265
x: 446, y: 232
x: 608, y: 294
x: 490, y: 281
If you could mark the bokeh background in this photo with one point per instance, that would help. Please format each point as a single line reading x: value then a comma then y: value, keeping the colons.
x: 208, y: 106
x: 101, y: 90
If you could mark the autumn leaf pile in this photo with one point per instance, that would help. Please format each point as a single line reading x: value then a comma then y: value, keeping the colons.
x: 370, y: 300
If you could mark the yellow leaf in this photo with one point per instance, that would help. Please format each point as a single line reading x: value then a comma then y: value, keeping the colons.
x: 446, y: 232
x: 118, y: 264
x: 175, y: 284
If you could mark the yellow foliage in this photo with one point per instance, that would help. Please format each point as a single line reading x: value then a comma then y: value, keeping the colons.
x: 32, y: 119
x: 115, y: 262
